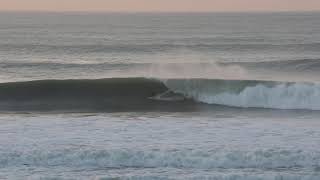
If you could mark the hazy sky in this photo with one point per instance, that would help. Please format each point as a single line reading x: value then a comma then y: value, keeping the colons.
x: 161, y: 5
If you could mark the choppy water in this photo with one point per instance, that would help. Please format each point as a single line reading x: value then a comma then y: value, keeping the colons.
x: 231, y: 96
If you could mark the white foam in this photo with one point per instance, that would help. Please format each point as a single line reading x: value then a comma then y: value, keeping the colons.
x: 261, y: 95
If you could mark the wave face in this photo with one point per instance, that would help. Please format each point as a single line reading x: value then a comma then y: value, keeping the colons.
x: 246, y: 93
x: 133, y: 94
x: 115, y: 94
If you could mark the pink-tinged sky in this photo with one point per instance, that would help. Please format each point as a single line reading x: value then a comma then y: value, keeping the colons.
x: 161, y: 5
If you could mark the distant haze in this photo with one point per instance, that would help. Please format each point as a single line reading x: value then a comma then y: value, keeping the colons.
x: 160, y: 5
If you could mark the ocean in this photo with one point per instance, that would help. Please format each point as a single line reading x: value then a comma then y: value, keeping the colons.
x: 160, y: 96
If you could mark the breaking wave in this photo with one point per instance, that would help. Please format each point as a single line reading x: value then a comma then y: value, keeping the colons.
x: 250, y: 93
x: 126, y: 94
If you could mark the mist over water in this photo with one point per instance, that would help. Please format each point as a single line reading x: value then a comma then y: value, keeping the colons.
x: 216, y: 96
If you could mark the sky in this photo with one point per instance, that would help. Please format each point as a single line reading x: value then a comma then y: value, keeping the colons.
x: 160, y: 5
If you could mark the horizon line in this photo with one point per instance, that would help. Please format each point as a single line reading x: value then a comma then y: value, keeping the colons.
x: 156, y: 12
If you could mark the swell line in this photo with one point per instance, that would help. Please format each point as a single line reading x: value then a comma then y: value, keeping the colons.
x: 142, y: 94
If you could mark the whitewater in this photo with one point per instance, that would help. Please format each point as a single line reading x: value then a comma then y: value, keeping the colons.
x: 159, y: 96
x: 259, y: 94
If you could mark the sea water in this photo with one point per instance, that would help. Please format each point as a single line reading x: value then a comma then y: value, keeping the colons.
x: 77, y: 96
